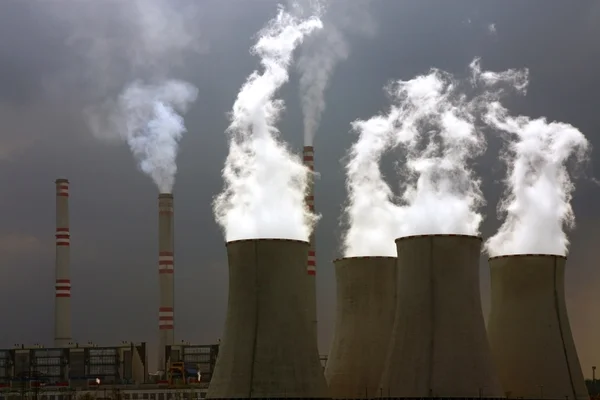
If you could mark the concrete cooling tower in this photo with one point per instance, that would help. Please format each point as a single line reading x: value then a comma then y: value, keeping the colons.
x: 366, y: 301
x: 62, y: 299
x: 267, y: 350
x: 166, y: 310
x: 529, y: 329
x: 311, y: 264
x: 439, y: 346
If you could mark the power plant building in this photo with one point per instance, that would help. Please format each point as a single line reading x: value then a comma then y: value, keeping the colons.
x: 268, y: 349
x: 439, y: 345
x: 529, y: 330
x: 366, y: 303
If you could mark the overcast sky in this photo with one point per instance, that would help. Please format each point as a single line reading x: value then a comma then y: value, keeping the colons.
x: 46, y: 78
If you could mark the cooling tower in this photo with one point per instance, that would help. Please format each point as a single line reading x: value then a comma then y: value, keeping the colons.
x: 166, y: 323
x: 62, y: 299
x: 311, y: 267
x: 267, y: 350
x: 439, y: 346
x: 366, y: 301
x: 529, y: 329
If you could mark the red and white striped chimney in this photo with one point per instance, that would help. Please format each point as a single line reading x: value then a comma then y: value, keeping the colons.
x: 311, y: 267
x: 62, y: 300
x: 166, y: 263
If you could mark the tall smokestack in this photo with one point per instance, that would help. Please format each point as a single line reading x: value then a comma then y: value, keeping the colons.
x: 366, y: 300
x: 267, y: 349
x: 439, y: 346
x: 166, y: 324
x: 311, y: 266
x: 62, y: 300
x: 529, y: 329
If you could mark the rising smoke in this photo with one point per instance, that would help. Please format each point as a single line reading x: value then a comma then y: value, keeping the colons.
x: 371, y: 212
x: 321, y: 53
x: 434, y: 124
x: 536, y: 205
x: 265, y: 184
x: 147, y: 117
x: 131, y: 47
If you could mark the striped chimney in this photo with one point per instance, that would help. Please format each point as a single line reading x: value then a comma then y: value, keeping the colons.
x: 165, y: 276
x: 62, y: 296
x: 311, y: 266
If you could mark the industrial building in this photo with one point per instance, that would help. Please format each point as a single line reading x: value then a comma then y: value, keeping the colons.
x: 439, y: 346
x: 365, y: 309
x: 529, y: 330
x: 410, y: 326
x: 268, y: 349
x: 70, y: 368
x: 79, y: 369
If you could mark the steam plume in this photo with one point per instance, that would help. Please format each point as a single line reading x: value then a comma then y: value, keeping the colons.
x: 433, y: 122
x: 264, y: 183
x: 124, y: 44
x: 321, y: 53
x: 147, y: 117
x: 538, y: 188
x: 372, y: 215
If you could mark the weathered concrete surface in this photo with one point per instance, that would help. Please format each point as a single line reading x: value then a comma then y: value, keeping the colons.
x: 439, y: 345
x: 366, y: 300
x: 529, y: 329
x: 166, y: 270
x: 268, y: 349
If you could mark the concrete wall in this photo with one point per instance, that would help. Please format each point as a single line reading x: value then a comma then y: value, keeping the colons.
x: 529, y: 329
x: 366, y: 301
x: 268, y: 349
x: 439, y: 345
x: 166, y: 269
x: 62, y: 294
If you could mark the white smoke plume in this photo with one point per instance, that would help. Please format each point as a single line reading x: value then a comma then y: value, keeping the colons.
x: 536, y: 205
x: 321, y: 53
x: 371, y: 213
x: 438, y: 134
x: 148, y: 118
x: 120, y: 41
x: 125, y: 43
x: 434, y: 123
x: 265, y: 183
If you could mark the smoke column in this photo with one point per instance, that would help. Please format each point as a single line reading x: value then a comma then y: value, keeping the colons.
x: 434, y: 124
x: 536, y: 205
x: 128, y: 51
x: 438, y: 134
x: 148, y: 119
x: 372, y: 216
x: 321, y: 53
x: 264, y: 183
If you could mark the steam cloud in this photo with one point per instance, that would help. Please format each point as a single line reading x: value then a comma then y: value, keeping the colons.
x: 264, y: 183
x: 124, y: 44
x: 372, y: 215
x: 434, y: 124
x: 147, y: 117
x: 538, y: 187
x: 321, y: 53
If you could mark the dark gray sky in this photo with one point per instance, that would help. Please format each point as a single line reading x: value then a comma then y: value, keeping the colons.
x: 44, y: 82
